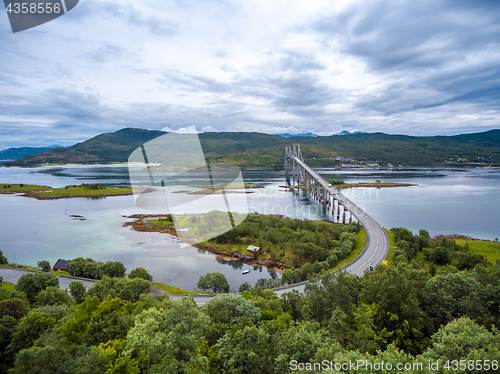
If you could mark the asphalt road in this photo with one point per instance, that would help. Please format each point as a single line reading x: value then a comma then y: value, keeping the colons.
x: 13, y: 275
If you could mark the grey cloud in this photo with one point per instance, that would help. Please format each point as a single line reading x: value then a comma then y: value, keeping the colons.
x: 430, y: 53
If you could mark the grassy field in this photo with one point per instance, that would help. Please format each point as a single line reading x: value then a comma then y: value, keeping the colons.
x: 357, y: 250
x: 176, y: 290
x: 390, y: 256
x: 160, y: 222
x: 80, y: 191
x: 24, y: 267
x: 60, y: 272
x: 65, y: 191
x: 489, y: 249
x: 370, y: 184
x: 24, y: 188
x: 7, y: 286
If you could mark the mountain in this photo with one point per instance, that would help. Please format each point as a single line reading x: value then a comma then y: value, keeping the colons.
x: 264, y: 150
x: 103, y: 148
x: 349, y: 133
x: 18, y: 153
x: 295, y: 135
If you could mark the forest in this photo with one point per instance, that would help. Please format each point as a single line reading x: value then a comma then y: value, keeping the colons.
x: 444, y: 307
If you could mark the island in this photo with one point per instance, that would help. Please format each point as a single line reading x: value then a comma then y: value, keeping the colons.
x: 70, y: 191
x: 342, y: 185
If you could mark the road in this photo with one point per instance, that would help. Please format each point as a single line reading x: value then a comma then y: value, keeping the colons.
x: 13, y: 275
x: 378, y: 244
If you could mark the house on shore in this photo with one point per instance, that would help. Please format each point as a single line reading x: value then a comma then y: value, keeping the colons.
x: 60, y: 265
x: 254, y: 250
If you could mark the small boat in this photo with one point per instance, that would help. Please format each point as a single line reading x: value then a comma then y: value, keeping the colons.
x: 245, y: 272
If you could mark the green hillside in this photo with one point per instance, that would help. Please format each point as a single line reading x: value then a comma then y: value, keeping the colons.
x: 264, y: 150
x: 18, y: 153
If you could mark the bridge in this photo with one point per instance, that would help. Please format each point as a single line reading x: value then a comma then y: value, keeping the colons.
x: 299, y: 174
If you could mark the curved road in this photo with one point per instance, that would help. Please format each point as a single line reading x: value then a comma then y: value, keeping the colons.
x: 11, y: 275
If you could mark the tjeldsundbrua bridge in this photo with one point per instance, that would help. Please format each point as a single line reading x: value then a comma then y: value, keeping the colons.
x: 299, y: 174
x: 343, y: 210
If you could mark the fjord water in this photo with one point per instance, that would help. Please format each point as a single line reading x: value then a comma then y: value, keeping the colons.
x: 446, y: 201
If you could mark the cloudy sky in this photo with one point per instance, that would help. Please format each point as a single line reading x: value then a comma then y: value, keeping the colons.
x: 400, y: 67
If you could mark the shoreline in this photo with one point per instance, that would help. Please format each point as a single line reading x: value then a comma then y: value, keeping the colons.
x: 140, y: 224
x: 249, y: 168
x: 358, y: 185
x: 459, y: 237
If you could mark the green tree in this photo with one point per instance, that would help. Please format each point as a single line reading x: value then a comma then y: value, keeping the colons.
x: 76, y: 266
x: 59, y: 359
x: 77, y: 290
x: 140, y: 273
x: 463, y: 339
x: 123, y: 288
x: 440, y: 255
x: 114, y: 269
x: 292, y: 303
x: 216, y: 282
x: 398, y: 290
x: 93, y: 270
x: 168, y: 340
x: 339, y: 327
x: 364, y: 328
x: 44, y: 265
x: 453, y: 295
x: 231, y: 309
x: 336, y: 290
x: 118, y: 363
x: 7, y: 329
x: 32, y: 284
x: 244, y: 287
x: 301, y: 342
x: 53, y: 296
x: 34, y: 325
x: 245, y: 351
x: 14, y: 307
x: 96, y: 322
x: 3, y: 259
